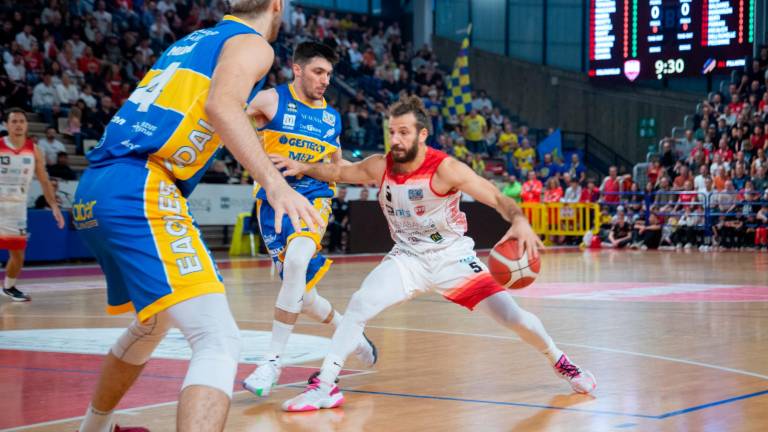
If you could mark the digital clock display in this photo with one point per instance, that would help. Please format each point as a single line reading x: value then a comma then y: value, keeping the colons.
x: 652, y: 39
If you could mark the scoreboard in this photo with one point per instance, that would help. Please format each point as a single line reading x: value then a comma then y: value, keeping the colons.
x: 654, y: 39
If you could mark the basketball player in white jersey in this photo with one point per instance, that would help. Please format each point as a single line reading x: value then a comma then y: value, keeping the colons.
x: 20, y: 159
x: 420, y: 193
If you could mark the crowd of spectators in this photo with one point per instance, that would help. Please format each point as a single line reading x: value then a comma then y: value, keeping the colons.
x: 75, y: 63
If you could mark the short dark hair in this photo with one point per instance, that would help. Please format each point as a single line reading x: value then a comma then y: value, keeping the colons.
x: 306, y: 51
x: 248, y: 7
x: 413, y: 105
x: 17, y: 111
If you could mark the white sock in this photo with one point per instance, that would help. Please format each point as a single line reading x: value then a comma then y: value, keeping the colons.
x: 336, y: 320
x: 9, y: 282
x: 331, y: 369
x: 96, y: 421
x: 280, y: 334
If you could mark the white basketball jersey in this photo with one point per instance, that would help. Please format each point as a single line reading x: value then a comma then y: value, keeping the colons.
x: 420, y: 219
x: 17, y: 166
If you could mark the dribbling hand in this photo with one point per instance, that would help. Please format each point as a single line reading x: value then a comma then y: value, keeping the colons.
x: 526, y: 239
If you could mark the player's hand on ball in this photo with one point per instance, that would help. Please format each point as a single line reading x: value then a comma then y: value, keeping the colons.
x: 58, y: 217
x: 527, y: 240
x: 291, y: 167
x: 286, y: 201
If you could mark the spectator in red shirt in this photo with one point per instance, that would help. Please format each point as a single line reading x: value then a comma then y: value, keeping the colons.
x: 688, y: 196
x: 611, y: 187
x: 590, y: 193
x: 726, y: 154
x: 684, y: 176
x: 554, y: 192
x: 654, y: 170
x: 33, y: 60
x: 736, y: 105
x: 757, y: 139
x: 88, y: 59
x: 532, y: 188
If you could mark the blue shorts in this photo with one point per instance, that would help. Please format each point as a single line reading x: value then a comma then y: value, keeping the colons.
x: 276, y: 243
x: 138, y: 225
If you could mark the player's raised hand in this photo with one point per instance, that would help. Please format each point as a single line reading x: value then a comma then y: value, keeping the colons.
x: 526, y: 239
x: 291, y: 167
x: 58, y: 217
x: 286, y: 201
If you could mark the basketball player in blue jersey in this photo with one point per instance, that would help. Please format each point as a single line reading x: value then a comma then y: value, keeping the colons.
x: 295, y: 122
x: 131, y: 209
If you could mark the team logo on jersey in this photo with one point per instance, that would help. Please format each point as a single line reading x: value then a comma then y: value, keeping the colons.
x: 436, y: 237
x: 329, y: 118
x: 82, y: 213
x: 415, y: 194
x: 289, y: 120
x: 292, y: 107
x: 420, y: 210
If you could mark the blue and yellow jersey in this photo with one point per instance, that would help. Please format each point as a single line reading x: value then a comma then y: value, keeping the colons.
x: 163, y: 122
x: 304, y: 133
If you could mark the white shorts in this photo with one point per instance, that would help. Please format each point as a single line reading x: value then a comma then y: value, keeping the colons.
x: 13, y: 225
x: 454, y: 272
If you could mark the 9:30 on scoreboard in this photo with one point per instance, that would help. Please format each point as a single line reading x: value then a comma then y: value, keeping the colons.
x: 654, y: 39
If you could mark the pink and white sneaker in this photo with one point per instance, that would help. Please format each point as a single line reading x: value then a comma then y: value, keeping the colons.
x: 581, y: 380
x: 316, y: 396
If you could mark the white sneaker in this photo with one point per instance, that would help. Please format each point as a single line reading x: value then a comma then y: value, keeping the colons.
x: 366, y: 352
x: 687, y: 246
x: 581, y: 380
x: 316, y: 396
x: 264, y: 378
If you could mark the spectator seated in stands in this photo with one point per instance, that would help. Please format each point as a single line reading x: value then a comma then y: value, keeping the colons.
x: 45, y: 100
x: 621, y: 231
x: 576, y: 169
x: 475, y: 128
x: 512, y: 188
x: 547, y: 168
x: 687, y: 233
x: 590, y: 193
x: 531, y: 190
x: 573, y: 192
x: 62, y: 198
x: 218, y: 173
x: 50, y: 146
x: 647, y: 235
x: 478, y: 164
x: 61, y: 168
x: 610, y: 189
x: 525, y: 156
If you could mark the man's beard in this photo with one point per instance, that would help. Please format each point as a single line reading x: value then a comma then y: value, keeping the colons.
x: 410, y: 154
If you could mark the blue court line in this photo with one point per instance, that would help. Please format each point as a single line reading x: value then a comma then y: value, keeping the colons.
x: 550, y: 407
x: 710, y: 405
x: 491, y: 402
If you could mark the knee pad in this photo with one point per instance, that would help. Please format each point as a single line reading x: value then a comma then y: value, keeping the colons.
x: 212, y: 333
x: 295, y: 263
x: 215, y: 355
x: 139, y: 340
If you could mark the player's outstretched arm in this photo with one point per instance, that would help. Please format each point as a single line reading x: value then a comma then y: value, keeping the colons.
x: 45, y: 184
x: 452, y: 175
x: 368, y: 170
x: 243, y: 61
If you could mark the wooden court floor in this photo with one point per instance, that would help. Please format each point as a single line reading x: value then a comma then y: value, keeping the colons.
x: 678, y: 341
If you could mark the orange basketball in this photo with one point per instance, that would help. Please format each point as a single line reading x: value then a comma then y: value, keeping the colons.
x: 510, y: 269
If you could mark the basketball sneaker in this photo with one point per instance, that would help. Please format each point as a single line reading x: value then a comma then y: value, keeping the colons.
x: 16, y: 295
x: 581, y: 380
x: 264, y: 378
x: 366, y: 352
x: 317, y: 395
x: 129, y: 429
